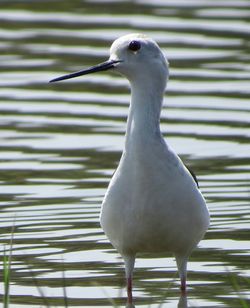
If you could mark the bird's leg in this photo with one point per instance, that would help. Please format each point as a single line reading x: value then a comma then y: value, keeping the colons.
x: 182, y: 269
x: 129, y: 290
x: 183, y: 285
x: 129, y: 266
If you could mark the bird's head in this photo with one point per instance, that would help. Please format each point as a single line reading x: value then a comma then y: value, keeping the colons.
x: 135, y: 56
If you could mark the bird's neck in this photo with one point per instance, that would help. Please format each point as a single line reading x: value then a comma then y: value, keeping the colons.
x: 144, y: 115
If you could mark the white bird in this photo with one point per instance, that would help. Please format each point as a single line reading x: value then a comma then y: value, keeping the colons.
x: 152, y: 203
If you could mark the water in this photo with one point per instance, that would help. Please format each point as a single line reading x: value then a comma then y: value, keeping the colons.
x: 61, y: 143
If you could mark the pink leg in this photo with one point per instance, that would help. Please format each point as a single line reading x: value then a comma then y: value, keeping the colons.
x: 129, y: 290
x: 182, y: 268
x: 129, y: 266
x: 183, y: 285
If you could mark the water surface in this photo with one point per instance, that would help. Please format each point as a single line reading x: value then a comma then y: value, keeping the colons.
x: 60, y: 145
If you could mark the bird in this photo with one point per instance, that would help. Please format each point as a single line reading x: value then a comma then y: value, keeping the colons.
x: 152, y: 203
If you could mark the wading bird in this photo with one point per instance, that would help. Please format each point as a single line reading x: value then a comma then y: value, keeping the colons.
x: 152, y: 203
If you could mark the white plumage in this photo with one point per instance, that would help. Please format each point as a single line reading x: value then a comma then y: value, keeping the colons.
x: 152, y: 203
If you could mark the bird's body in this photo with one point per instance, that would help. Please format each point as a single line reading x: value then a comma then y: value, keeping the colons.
x: 153, y: 207
x: 152, y: 199
x: 152, y: 203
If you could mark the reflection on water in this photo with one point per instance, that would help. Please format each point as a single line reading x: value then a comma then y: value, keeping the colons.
x: 61, y: 143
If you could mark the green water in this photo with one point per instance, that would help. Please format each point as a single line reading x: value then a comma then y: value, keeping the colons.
x: 60, y: 145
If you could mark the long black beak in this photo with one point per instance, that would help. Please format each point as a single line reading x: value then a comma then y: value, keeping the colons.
x: 97, y: 68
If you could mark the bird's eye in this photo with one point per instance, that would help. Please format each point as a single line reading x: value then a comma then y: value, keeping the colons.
x: 134, y: 45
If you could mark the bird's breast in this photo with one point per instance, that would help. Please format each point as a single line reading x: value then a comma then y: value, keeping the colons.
x: 150, y: 201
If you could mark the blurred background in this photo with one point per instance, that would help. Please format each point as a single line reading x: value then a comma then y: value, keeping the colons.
x: 60, y: 144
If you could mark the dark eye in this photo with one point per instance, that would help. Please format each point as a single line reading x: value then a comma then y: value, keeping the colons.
x: 134, y: 45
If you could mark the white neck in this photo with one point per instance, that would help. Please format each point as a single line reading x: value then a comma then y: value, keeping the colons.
x: 144, y: 114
